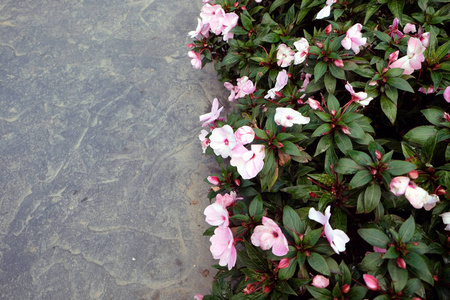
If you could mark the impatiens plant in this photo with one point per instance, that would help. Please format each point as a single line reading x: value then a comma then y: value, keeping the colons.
x: 335, y: 160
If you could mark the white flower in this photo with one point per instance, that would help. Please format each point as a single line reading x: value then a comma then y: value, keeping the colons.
x: 222, y: 141
x: 287, y: 117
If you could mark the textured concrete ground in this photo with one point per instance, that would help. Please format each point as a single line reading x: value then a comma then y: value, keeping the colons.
x: 101, y: 171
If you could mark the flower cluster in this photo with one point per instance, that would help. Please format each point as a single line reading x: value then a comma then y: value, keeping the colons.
x: 339, y: 123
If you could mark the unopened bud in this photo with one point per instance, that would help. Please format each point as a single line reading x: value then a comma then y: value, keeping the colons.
x: 284, y: 263
x: 237, y: 182
x: 345, y: 288
x: 339, y: 63
x: 378, y: 155
x: 267, y: 289
x: 279, y: 94
x: 328, y: 29
x: 214, y: 180
x: 416, y: 243
x: 333, y: 112
x: 413, y: 174
x: 393, y: 56
x: 319, y: 44
x: 447, y: 117
x: 441, y: 192
x: 190, y: 45
x: 289, y: 75
x: 313, y: 195
x: 401, y: 263
x: 280, y: 145
x: 345, y: 130
x: 435, y: 278
x: 371, y: 282
x: 320, y: 281
x: 243, y: 8
x: 236, y: 4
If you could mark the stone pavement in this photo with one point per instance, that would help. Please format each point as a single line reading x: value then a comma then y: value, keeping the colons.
x: 101, y: 170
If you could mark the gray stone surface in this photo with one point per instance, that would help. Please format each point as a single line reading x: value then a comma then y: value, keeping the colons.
x: 101, y: 170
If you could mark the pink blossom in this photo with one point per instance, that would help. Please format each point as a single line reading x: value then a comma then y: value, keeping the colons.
x: 429, y: 90
x: 371, y: 282
x: 214, y: 180
x: 398, y: 185
x: 196, y: 60
x: 359, y: 97
x: 314, y: 104
x: 222, y: 247
x: 425, y: 39
x: 302, y: 47
x: 413, y: 58
x: 446, y: 220
x: 202, y: 29
x: 287, y: 117
x: 223, y: 140
x: 213, y: 14
x: 305, y: 84
x: 269, y: 235
x: 210, y: 117
x: 328, y: 29
x: 353, y: 38
x: 336, y: 237
x: 393, y: 29
x: 338, y: 63
x: 409, y: 28
x: 244, y: 87
x: 199, y: 296
x: 393, y: 56
x: 282, y: 79
x: 284, y: 263
x: 216, y: 215
x: 204, y: 140
x: 227, y: 199
x: 229, y: 22
x: 447, y: 94
x: 284, y: 55
x: 248, y: 162
x: 244, y: 135
x: 320, y: 281
x: 326, y: 10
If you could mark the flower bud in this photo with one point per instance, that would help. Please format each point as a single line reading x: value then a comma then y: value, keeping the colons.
x: 236, y: 4
x: 393, y: 56
x: 280, y: 145
x: 190, y: 45
x: 413, y: 174
x: 237, y: 182
x: 339, y: 63
x: 267, y: 289
x: 345, y: 288
x: 313, y: 195
x: 319, y: 44
x: 198, y: 297
x: 378, y: 155
x: 328, y: 29
x: 333, y: 112
x: 284, y: 263
x: 401, y: 263
x: 435, y: 278
x: 441, y: 192
x: 345, y: 130
x: 320, y: 281
x: 447, y: 117
x: 371, y: 282
x: 214, y: 180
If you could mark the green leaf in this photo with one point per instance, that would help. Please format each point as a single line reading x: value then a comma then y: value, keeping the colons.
x: 337, y: 72
x: 357, y: 292
x: 322, y: 129
x: 271, y: 38
x: 276, y: 4
x: 374, y: 237
x: 256, y: 206
x: 324, y: 143
x: 285, y: 288
x: 372, y: 261
x: 290, y: 148
x: 428, y: 149
x: 389, y: 108
x: 361, y: 158
x: 417, y: 265
x: 394, y: 72
x: 442, y: 51
x: 361, y: 178
x: 231, y: 58
x: 407, y: 230
x: 400, y: 167
x: 318, y: 263
x: 384, y: 37
x: 400, y: 83
x: 289, y: 271
x: 246, y: 20
x: 343, y: 142
x: 319, y: 70
x: 312, y: 237
x: 347, y: 166
x: 333, y: 103
x: 396, y: 7
x: 370, y: 10
x: 398, y: 275
x: 433, y: 115
x: 318, y: 293
x: 420, y: 134
x: 330, y: 83
x: 372, y: 197
x: 289, y: 19
x: 292, y: 222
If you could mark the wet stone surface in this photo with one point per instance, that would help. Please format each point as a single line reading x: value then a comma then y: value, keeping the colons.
x: 101, y: 177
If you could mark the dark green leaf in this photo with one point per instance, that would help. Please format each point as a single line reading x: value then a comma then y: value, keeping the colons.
x: 318, y: 263
x: 361, y: 178
x: 343, y: 141
x: 389, y: 108
x: 256, y: 206
x: 372, y: 197
x: 330, y: 83
x: 400, y: 83
x: 324, y: 143
x: 374, y: 237
x: 407, y: 230
x: 290, y: 148
x: 289, y: 271
x: 420, y: 134
x: 292, y: 222
x: 400, y: 167
x: 417, y: 265
x: 347, y: 166
x: 319, y: 70
x: 318, y: 293
x: 396, y: 7
x: 322, y: 129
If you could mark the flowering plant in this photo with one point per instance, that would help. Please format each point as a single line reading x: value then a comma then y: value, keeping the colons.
x: 335, y: 161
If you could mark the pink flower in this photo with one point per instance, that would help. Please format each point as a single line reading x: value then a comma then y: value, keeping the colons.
x: 409, y: 28
x: 284, y: 55
x: 222, y: 247
x: 320, y: 281
x: 393, y: 29
x: 244, y: 135
x: 198, y: 296
x: 336, y: 237
x: 393, y: 56
x: 210, y: 117
x: 269, y: 235
x: 284, y: 263
x: 429, y: 90
x: 244, y: 87
x: 305, y: 84
x: 287, y: 117
x: 202, y: 29
x: 222, y: 141
x: 229, y: 22
x: 326, y: 10
x: 248, y: 162
x: 359, y: 97
x: 447, y: 94
x: 398, y: 185
x: 216, y: 215
x: 314, y: 104
x: 214, y: 15
x: 338, y: 63
x: 446, y: 220
x: 413, y: 58
x: 282, y: 79
x: 425, y: 39
x: 371, y: 282
x: 328, y: 29
x: 227, y: 199
x: 302, y: 47
x: 353, y: 38
x: 214, y: 180
x: 204, y: 140
x: 196, y: 61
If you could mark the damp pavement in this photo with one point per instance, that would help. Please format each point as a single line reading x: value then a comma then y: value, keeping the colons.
x: 101, y: 171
